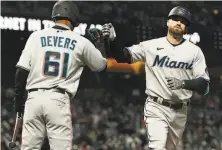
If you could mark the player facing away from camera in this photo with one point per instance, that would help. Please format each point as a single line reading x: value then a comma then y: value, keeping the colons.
x: 51, y: 64
x: 174, y: 68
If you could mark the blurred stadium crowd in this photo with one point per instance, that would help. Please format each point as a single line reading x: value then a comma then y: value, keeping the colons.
x: 111, y: 118
x: 150, y: 13
x: 104, y: 120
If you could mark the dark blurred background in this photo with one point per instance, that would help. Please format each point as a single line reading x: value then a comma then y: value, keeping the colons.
x: 109, y: 116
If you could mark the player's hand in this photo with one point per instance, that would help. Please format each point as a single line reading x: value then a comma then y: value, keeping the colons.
x: 108, y: 32
x: 174, y: 83
x: 93, y: 35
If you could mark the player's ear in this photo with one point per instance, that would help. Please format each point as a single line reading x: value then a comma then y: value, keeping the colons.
x: 167, y: 22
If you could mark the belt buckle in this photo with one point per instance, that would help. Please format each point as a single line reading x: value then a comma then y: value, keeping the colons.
x: 160, y: 100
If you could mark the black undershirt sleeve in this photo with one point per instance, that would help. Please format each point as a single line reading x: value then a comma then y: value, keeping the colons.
x: 110, y: 50
x: 199, y: 85
x: 20, y: 83
x: 121, y: 54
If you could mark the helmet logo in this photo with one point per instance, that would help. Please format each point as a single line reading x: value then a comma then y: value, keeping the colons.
x: 182, y: 11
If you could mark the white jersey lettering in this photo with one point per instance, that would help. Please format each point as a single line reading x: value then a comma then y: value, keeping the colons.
x: 165, y: 61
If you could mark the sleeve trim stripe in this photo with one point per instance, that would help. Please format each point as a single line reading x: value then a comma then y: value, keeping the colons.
x: 23, y: 67
x: 99, y: 70
x: 130, y: 54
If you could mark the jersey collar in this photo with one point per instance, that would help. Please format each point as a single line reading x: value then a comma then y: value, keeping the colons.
x: 62, y: 25
x: 174, y: 45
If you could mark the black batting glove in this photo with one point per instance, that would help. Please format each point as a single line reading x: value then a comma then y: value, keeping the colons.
x: 93, y: 35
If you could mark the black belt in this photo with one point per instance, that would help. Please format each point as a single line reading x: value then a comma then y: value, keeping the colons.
x: 53, y: 89
x: 168, y: 104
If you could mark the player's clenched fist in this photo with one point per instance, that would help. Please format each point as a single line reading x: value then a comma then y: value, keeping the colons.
x: 108, y: 31
x: 174, y: 83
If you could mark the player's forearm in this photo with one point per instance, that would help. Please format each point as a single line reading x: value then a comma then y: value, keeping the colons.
x: 20, y: 83
x: 199, y: 85
x: 122, y: 55
x: 114, y: 66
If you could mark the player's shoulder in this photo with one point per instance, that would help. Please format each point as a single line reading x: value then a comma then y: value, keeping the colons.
x: 83, y: 40
x: 153, y: 42
x: 191, y: 44
x: 193, y: 47
x: 34, y: 35
x: 39, y: 32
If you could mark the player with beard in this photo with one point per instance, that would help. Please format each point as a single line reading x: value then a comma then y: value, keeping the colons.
x: 175, y: 68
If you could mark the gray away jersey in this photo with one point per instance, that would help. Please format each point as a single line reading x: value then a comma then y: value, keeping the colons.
x: 55, y: 58
x: 185, y: 62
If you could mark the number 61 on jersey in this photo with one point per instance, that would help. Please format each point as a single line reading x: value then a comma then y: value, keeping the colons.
x: 55, y: 64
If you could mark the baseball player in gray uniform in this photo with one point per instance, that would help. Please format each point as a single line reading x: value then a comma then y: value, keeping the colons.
x: 175, y: 68
x: 49, y: 68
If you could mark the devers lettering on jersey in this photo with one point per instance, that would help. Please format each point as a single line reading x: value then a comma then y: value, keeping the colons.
x: 165, y: 61
x: 54, y: 59
x: 56, y: 41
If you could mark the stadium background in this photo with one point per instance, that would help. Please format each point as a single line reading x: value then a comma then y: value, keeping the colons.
x: 109, y: 115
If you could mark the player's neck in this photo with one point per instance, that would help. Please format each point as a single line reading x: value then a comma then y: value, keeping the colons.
x: 174, y: 39
x: 65, y: 22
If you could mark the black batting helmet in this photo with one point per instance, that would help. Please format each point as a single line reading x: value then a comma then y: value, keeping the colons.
x: 182, y: 12
x: 66, y: 10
